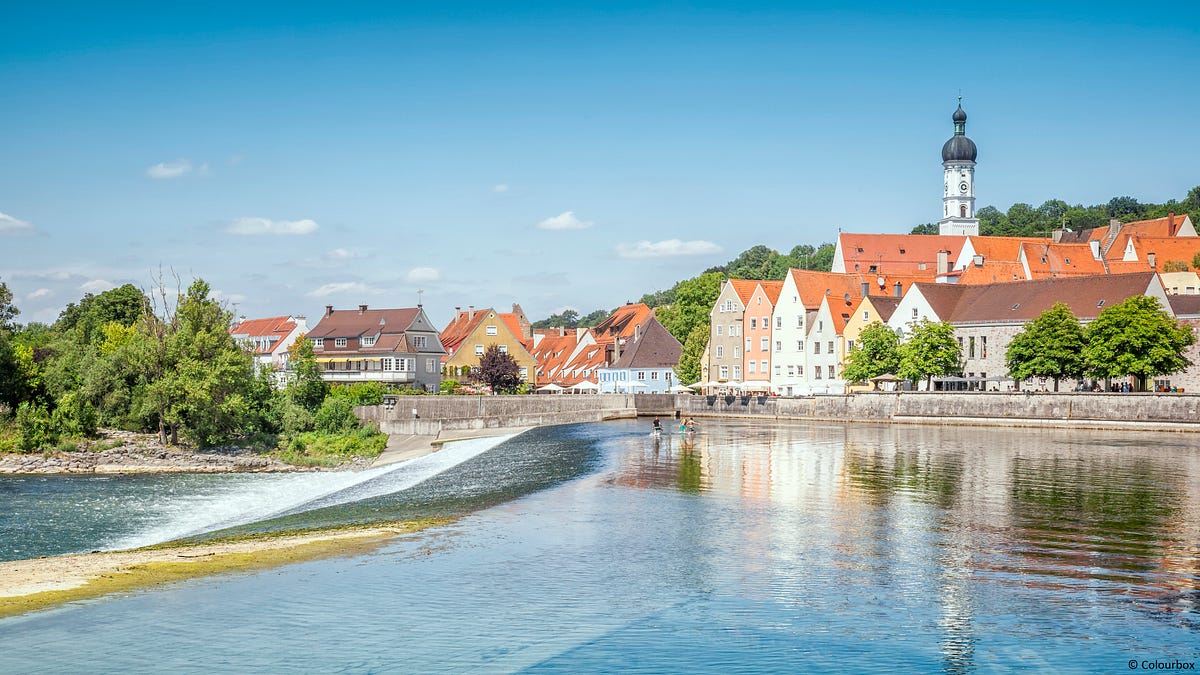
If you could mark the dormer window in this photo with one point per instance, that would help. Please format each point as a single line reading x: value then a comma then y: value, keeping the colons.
x: 339, y: 342
x: 318, y: 343
x: 367, y: 341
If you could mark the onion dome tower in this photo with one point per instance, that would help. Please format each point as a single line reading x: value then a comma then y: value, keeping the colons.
x: 958, y: 193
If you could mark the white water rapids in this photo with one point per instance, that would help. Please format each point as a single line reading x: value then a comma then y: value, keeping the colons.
x: 261, y: 497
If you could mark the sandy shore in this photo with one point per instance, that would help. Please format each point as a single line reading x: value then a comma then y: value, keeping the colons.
x: 41, y: 583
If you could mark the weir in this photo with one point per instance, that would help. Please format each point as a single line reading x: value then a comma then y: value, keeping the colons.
x: 261, y: 497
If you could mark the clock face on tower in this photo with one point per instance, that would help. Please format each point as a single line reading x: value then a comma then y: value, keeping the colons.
x: 963, y: 186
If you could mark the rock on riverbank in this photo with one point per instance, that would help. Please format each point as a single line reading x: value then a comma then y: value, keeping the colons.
x: 142, y: 453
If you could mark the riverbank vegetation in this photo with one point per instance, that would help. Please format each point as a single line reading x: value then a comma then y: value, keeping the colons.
x: 167, y: 364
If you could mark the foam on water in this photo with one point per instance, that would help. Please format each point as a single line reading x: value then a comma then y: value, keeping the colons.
x: 240, y: 502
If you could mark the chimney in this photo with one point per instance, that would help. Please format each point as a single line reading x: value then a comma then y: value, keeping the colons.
x: 1150, y: 258
x: 637, y: 332
x: 1171, y: 223
x: 328, y: 310
x: 362, y: 309
x: 866, y: 289
x: 896, y: 290
x: 977, y: 259
x: 943, y: 262
x: 470, y: 312
x: 562, y: 331
x: 457, y: 310
x: 1114, y: 226
x: 1056, y: 235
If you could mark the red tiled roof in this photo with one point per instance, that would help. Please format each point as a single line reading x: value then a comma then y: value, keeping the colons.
x: 1061, y: 260
x: 1177, y: 249
x: 1002, y: 248
x: 813, y: 286
x: 654, y: 348
x: 461, y: 327
x: 772, y: 289
x: 744, y: 289
x: 621, y: 322
x: 352, y: 323
x: 992, y: 272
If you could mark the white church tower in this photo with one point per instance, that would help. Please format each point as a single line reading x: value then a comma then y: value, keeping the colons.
x: 958, y: 196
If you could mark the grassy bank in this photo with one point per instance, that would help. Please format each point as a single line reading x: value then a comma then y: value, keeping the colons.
x: 33, y: 585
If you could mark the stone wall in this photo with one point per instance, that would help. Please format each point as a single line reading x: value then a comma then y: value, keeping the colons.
x: 429, y: 415
x: 1181, y: 411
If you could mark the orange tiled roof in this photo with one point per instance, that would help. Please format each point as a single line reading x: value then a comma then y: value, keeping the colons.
x: 772, y: 289
x: 461, y: 327
x: 273, y: 328
x: 992, y: 272
x: 744, y: 289
x: 814, y: 286
x: 514, y: 324
x: 1002, y: 248
x: 622, y: 322
x: 896, y: 252
x: 1061, y: 260
x: 1179, y: 249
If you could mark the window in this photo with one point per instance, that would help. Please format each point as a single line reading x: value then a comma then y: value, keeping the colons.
x: 791, y: 370
x: 799, y: 345
x: 971, y: 347
x: 737, y: 372
x: 641, y: 375
x: 800, y: 321
x: 866, y: 315
x: 524, y: 373
x: 750, y: 367
x: 654, y: 374
x: 817, y: 372
x: 719, y: 329
x: 734, y: 330
x: 367, y: 341
x: 762, y: 365
x: 503, y: 349
x: 724, y: 372
x: 385, y: 364
x: 983, y: 346
x: 799, y: 371
x: 820, y: 326
x: 777, y: 370
x: 754, y: 322
x: 816, y: 347
x: 720, y: 351
x: 419, y: 342
x: 737, y: 352
x: 850, y: 346
x: 478, y: 350
x: 779, y: 322
x: 830, y: 349
x: 832, y: 372
x: 779, y: 345
x: 319, y: 343
x: 339, y: 342
x: 759, y: 300
x: 749, y: 344
x: 431, y: 365
x: 914, y: 312
x: 764, y: 344
x: 491, y: 330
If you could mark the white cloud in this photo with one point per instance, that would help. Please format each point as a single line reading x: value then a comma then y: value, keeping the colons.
x: 419, y: 274
x: 254, y: 226
x: 564, y: 221
x: 340, y: 287
x: 666, y: 249
x: 180, y: 167
x: 97, y: 286
x: 14, y: 226
x: 343, y: 254
x: 331, y: 259
x: 501, y: 187
x: 40, y: 293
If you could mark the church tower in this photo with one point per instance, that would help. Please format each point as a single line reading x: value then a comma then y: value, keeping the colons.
x: 958, y: 196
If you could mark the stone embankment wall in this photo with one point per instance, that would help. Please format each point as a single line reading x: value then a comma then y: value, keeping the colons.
x: 1096, y: 410
x: 430, y: 415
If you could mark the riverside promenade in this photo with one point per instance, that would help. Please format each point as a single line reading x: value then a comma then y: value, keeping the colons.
x: 427, y: 419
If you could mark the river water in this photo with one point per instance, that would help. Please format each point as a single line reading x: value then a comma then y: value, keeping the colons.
x: 752, y: 547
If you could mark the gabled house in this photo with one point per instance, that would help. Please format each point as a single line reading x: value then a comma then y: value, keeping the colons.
x: 269, y: 339
x: 392, y: 346
x: 647, y: 366
x: 725, y: 331
x: 613, y: 333
x: 799, y: 300
x: 566, y: 357
x: 986, y: 317
x: 472, y: 331
x: 896, y: 253
x: 758, y: 327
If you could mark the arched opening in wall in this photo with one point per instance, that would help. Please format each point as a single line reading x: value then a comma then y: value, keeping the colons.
x: 962, y: 211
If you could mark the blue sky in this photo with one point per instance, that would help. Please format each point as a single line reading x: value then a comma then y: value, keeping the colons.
x: 552, y: 154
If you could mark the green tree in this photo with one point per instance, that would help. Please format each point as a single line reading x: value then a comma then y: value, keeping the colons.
x: 10, y: 380
x: 877, y: 352
x: 694, y: 300
x: 1124, y: 208
x: 689, y: 369
x: 926, y: 228
x: 306, y: 387
x: 499, y: 370
x: 8, y: 311
x: 124, y: 306
x: 1136, y: 338
x: 1049, y: 346
x: 930, y: 350
x: 596, y: 316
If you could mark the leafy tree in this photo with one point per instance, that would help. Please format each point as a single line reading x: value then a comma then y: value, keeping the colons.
x: 8, y: 311
x: 1124, y: 208
x: 360, y: 393
x: 876, y: 353
x: 694, y: 300
x: 991, y: 221
x: 568, y: 318
x: 306, y: 388
x: 689, y: 369
x: 123, y: 306
x: 1136, y: 338
x: 336, y: 416
x: 1191, y: 204
x: 926, y: 228
x: 500, y: 370
x: 929, y: 350
x: 1049, y: 346
x: 595, y: 317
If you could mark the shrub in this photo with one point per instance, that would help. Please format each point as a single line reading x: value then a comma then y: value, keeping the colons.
x: 359, y: 393
x: 448, y: 386
x: 335, y: 416
x: 35, y: 427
